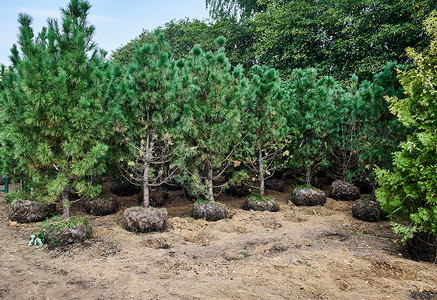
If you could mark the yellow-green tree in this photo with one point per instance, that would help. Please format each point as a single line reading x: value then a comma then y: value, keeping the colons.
x: 409, y: 192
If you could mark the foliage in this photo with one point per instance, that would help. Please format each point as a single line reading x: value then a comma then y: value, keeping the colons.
x: 266, y: 125
x: 367, y: 133
x: 408, y: 192
x: 225, y: 8
x: 382, y: 131
x: 17, y: 195
x: 8, y: 164
x: 312, y: 119
x: 210, y: 124
x: 146, y: 118
x: 352, y: 105
x: 258, y: 197
x: 183, y: 35
x: 50, y: 228
x: 56, y: 107
x: 339, y: 37
x: 202, y: 201
x: 303, y: 187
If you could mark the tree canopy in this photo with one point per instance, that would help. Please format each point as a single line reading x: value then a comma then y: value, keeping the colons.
x: 339, y: 37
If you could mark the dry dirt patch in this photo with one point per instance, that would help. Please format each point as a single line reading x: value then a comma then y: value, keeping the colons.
x: 297, y: 253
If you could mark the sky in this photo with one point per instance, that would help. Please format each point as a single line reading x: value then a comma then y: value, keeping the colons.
x: 116, y: 22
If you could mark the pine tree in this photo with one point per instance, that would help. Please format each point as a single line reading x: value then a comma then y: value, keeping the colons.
x: 266, y: 124
x: 210, y: 124
x: 367, y: 132
x: 311, y: 115
x: 7, y: 162
x: 57, y: 109
x: 148, y: 114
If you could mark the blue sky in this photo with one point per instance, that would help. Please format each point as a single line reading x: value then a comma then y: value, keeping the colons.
x: 116, y: 22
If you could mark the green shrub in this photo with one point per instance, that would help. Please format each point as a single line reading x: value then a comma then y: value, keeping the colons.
x: 258, y: 197
x: 52, y: 227
x: 17, y: 195
x: 202, y: 201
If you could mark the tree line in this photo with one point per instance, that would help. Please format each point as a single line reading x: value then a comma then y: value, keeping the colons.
x: 338, y: 37
x: 69, y: 115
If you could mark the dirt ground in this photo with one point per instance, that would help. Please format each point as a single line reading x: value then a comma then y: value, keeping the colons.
x: 297, y: 253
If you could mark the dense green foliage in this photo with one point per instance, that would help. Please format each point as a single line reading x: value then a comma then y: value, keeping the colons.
x: 210, y: 125
x: 147, y: 115
x: 266, y: 124
x: 239, y: 8
x: 339, y: 37
x: 183, y: 35
x: 367, y: 133
x: 55, y: 110
x: 408, y: 192
x: 312, y: 117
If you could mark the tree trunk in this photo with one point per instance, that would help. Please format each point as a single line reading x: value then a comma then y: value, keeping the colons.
x: 146, y: 193
x: 308, y: 176
x: 65, y: 205
x: 210, y: 186
x: 261, y: 173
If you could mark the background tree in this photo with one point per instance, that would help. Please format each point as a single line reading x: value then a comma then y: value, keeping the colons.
x: 352, y: 108
x: 183, y: 35
x: 266, y: 124
x: 240, y: 8
x: 147, y: 117
x: 339, y: 37
x: 211, y: 118
x: 408, y: 192
x: 381, y: 130
x: 57, y: 110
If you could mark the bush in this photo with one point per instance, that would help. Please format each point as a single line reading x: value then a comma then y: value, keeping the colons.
x: 59, y: 231
x: 261, y: 203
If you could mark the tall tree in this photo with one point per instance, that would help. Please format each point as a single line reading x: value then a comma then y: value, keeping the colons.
x: 408, y: 192
x: 211, y: 117
x: 147, y: 117
x: 312, y: 118
x: 57, y: 109
x: 266, y: 124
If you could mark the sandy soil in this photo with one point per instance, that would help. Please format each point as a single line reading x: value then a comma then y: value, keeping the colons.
x: 297, y: 253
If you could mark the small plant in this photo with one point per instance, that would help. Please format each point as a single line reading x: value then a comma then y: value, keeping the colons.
x: 35, y: 240
x: 17, y: 195
x: 51, y: 228
x: 304, y: 262
x: 245, y: 254
x: 303, y: 187
x: 258, y: 197
x: 320, y: 256
x: 202, y: 201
